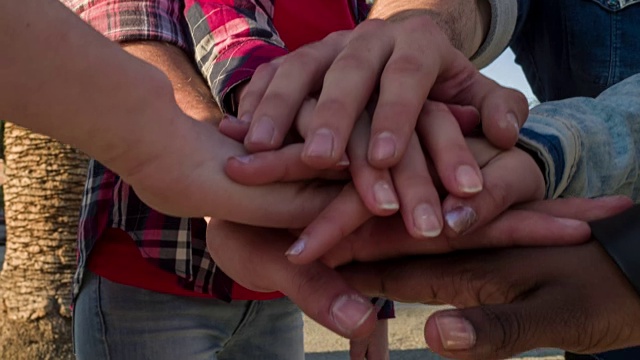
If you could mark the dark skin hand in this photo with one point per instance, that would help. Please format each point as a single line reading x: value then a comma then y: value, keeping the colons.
x: 513, y: 300
x: 254, y: 257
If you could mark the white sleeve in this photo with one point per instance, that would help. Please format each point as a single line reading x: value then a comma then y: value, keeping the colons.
x: 504, y: 14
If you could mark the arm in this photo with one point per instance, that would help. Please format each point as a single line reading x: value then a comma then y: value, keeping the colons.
x: 589, y: 147
x: 170, y: 159
x: 36, y: 31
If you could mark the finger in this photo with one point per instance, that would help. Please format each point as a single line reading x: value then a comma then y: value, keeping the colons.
x: 404, y: 86
x: 278, y: 166
x: 358, y: 349
x: 346, y: 89
x: 374, y: 347
x: 253, y: 258
x: 516, y: 228
x: 384, y: 238
x: 581, y: 209
x: 342, y: 216
x: 452, y: 278
x: 234, y: 128
x: 419, y: 200
x: 510, y: 178
x: 250, y: 94
x: 299, y: 74
x: 467, y: 117
x: 375, y: 186
x: 501, y: 331
x: 502, y: 110
x: 443, y: 140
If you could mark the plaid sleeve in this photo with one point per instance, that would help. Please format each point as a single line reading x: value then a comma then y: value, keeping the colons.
x: 232, y: 38
x: 135, y: 20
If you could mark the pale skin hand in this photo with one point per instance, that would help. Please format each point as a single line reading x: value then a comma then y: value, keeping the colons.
x: 349, y: 210
x: 374, y: 346
x: 133, y: 129
x: 411, y: 53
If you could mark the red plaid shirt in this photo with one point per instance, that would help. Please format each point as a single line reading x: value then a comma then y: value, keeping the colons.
x: 232, y: 38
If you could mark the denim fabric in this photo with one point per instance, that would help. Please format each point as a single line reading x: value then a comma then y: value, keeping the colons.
x: 623, y: 354
x: 591, y: 147
x: 119, y: 322
x: 571, y: 48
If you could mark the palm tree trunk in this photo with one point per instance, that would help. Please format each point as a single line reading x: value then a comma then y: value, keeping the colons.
x: 43, y: 193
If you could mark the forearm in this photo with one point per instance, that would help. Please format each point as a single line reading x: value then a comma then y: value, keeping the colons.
x: 589, y: 147
x: 65, y: 80
x: 465, y: 22
x: 191, y: 92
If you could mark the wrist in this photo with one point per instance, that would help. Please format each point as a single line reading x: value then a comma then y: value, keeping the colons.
x: 465, y: 26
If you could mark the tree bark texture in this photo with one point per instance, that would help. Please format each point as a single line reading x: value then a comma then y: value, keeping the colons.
x: 43, y: 193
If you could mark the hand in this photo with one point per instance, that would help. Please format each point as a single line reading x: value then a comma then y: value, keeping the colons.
x: 191, y: 182
x: 514, y: 300
x: 512, y: 177
x: 410, y: 59
x: 372, y: 347
x: 253, y: 256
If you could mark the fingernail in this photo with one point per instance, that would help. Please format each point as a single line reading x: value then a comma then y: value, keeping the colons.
x: 233, y: 119
x: 344, y: 161
x: 460, y: 218
x: 350, y: 311
x: 321, y: 144
x: 468, y: 180
x: 426, y: 221
x: 245, y: 159
x: 456, y: 332
x: 384, y: 146
x: 263, y: 132
x: 246, y: 118
x: 510, y: 121
x: 385, y: 197
x: 297, y: 248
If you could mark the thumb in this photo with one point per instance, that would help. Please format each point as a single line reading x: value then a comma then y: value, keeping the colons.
x: 254, y: 257
x: 491, y: 331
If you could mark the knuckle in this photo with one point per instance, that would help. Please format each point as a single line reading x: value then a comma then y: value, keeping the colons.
x: 370, y: 26
x: 307, y: 283
x: 435, y: 107
x: 336, y: 36
x: 304, y: 57
x: 352, y: 61
x: 265, y: 70
x: 276, y: 99
x: 509, y: 329
x: 405, y: 64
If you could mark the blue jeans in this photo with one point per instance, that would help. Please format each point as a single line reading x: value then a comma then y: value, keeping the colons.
x: 113, y: 321
x: 622, y: 354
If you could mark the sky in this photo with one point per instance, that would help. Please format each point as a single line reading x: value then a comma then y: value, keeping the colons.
x: 506, y: 72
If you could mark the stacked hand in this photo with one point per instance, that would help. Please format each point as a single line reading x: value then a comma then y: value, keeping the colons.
x: 408, y: 155
x: 384, y: 154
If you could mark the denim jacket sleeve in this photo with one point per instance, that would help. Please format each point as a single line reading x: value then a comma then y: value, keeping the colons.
x: 590, y: 147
